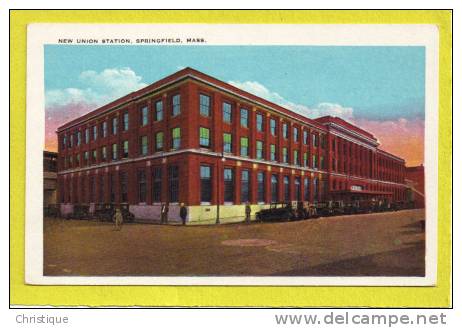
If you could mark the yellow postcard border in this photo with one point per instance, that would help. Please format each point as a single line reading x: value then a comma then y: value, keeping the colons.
x: 233, y: 296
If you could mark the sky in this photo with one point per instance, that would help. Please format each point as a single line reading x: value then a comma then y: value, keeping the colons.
x: 381, y: 89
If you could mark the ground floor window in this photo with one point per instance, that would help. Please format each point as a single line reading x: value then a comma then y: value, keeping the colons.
x: 123, y: 187
x: 298, y: 191
x: 101, y: 189
x: 206, y: 183
x: 142, y: 186
x: 228, y: 174
x: 156, y: 184
x: 315, y: 189
x: 286, y: 188
x: 173, y: 183
x: 261, y: 187
x: 274, y: 188
x: 245, y: 186
x: 112, y: 187
x: 306, y: 187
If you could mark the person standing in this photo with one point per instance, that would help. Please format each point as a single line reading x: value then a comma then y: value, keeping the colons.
x: 183, y: 213
x: 164, y: 213
x: 118, y: 219
x: 248, y: 210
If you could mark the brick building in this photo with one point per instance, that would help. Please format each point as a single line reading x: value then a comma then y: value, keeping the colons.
x: 194, y: 139
x: 415, y: 179
x: 49, y: 178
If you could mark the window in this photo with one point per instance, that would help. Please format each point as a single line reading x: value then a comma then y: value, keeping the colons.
x: 285, y: 156
x: 204, y: 105
x: 227, y: 112
x: 125, y: 149
x: 173, y: 183
x: 315, y: 189
x: 176, y: 138
x: 245, y: 186
x: 306, y: 188
x: 125, y: 121
x: 322, y: 162
x: 295, y: 134
x: 176, y: 105
x: 286, y: 189
x: 87, y: 135
x: 64, y: 142
x: 104, y: 129
x: 273, y: 126
x: 285, y: 131
x: 85, y: 157
x: 156, y: 184
x: 70, y: 161
x: 93, y: 156
x: 227, y: 143
x: 315, y: 162
x: 115, y: 123
x: 159, y: 140
x: 244, y: 118
x: 95, y: 132
x: 244, y: 146
x: 315, y: 140
x: 305, y: 159
x: 92, y: 189
x: 259, y: 122
x: 305, y: 137
x: 274, y: 188
x: 228, y: 175
x: 71, y: 140
x: 144, y: 145
x: 296, y: 162
x: 142, y: 186
x: 77, y: 160
x: 159, y: 110
x: 79, y: 135
x: 261, y: 187
x: 298, y: 189
x: 112, y: 187
x: 272, y: 152
x: 144, y: 116
x: 101, y: 188
x: 259, y: 149
x: 114, y: 152
x: 204, y: 137
x: 103, y: 153
x: 123, y: 187
x: 323, y: 141
x: 206, y: 183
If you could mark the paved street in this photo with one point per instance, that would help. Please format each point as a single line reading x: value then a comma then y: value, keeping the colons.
x: 386, y: 244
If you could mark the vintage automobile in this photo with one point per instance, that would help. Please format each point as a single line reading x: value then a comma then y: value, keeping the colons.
x: 277, y: 212
x: 81, y: 211
x: 52, y: 210
x: 105, y: 212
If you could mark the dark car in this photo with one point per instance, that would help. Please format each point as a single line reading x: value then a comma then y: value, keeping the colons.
x: 277, y: 212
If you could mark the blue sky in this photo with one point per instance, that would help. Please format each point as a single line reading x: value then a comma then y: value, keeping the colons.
x: 378, y: 83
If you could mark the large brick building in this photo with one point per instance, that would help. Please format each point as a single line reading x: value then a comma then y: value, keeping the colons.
x: 192, y: 138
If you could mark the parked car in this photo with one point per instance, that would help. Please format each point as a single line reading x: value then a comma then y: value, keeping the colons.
x: 277, y: 212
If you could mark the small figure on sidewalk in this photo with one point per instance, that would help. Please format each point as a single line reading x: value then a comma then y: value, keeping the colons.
x: 118, y: 219
x: 248, y: 210
x: 183, y: 213
x: 164, y: 213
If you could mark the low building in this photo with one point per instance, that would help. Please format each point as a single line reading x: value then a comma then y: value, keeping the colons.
x: 190, y: 138
x: 49, y: 178
x: 415, y: 179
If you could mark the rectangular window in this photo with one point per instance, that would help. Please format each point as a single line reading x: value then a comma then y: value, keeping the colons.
x: 176, y: 138
x: 125, y: 121
x: 259, y: 122
x: 245, y: 186
x: 112, y: 187
x: 298, y: 189
x: 103, y: 153
x: 227, y: 143
x: 176, y: 105
x: 94, y: 156
x: 261, y: 187
x: 125, y: 149
x: 142, y: 186
x: 305, y: 137
x: 323, y: 141
x: 206, y: 183
x: 315, y: 140
x: 114, y: 152
x: 306, y: 188
x: 315, y: 162
x: 204, y: 105
x: 123, y: 181
x: 85, y: 157
x: 259, y: 149
x: 159, y: 140
x: 286, y: 189
x: 104, y: 129
x: 156, y: 184
x: 296, y: 162
x: 274, y: 188
x: 173, y: 184
x: 227, y: 112
x: 101, y: 188
x: 305, y: 159
x: 244, y: 146
x: 144, y: 114
x: 273, y: 152
x: 64, y: 142
x: 71, y: 140
x: 285, y: 131
x: 77, y: 160
x: 143, y: 145
x: 115, y: 123
x: 295, y: 134
x: 95, y: 132
x: 92, y: 189
x: 244, y: 118
x: 159, y: 110
x: 79, y: 140
x: 285, y: 155
x: 87, y: 135
x: 322, y: 162
x: 228, y: 174
x: 315, y: 189
x: 204, y: 137
x: 273, y: 126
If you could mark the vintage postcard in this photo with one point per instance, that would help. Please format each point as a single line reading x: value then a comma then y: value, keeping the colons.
x: 212, y: 154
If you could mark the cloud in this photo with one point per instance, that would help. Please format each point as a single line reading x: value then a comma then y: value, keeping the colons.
x: 99, y: 87
x: 322, y: 109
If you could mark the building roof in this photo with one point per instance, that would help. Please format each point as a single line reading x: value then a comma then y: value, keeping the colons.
x: 342, y: 122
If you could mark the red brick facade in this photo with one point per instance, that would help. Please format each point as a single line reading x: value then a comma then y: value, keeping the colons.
x: 333, y: 158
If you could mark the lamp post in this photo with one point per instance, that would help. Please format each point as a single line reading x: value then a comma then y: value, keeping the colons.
x: 219, y: 170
